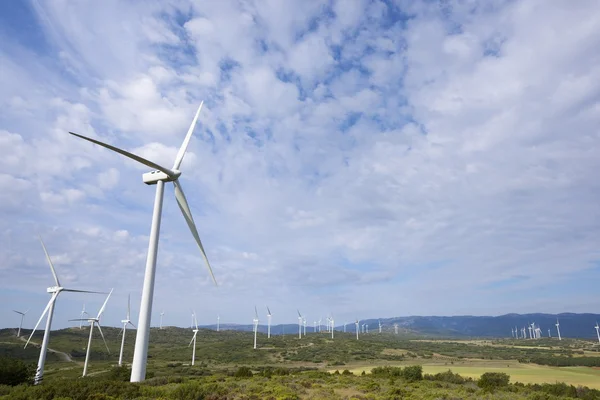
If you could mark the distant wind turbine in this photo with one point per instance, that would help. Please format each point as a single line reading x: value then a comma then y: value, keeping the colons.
x: 55, y: 291
x: 94, y: 321
x: 255, y: 320
x: 158, y: 177
x: 549, y: 334
x: 83, y: 313
x: 332, y: 325
x: 299, y: 325
x: 21, y: 323
x: 125, y: 322
x: 558, y: 329
x: 356, y: 324
x: 379, y: 326
x: 396, y: 328
x: 218, y: 322
x: 597, y: 331
x: 344, y: 327
x: 269, y: 315
x: 193, y: 341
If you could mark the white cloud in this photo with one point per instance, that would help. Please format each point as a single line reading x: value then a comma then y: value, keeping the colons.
x: 414, y: 158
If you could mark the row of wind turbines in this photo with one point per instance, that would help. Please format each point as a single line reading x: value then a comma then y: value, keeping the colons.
x: 535, y: 332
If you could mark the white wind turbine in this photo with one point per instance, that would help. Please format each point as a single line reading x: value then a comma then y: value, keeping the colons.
x: 558, y: 329
x: 269, y: 315
x: 396, y: 328
x: 549, y: 334
x: 320, y: 319
x: 367, y: 328
x: 94, y: 321
x: 255, y: 321
x: 194, y: 337
x: 332, y: 326
x: 345, y: 327
x: 299, y: 325
x: 304, y: 324
x: 315, y: 326
x: 161, y: 317
x: 158, y: 177
x: 530, y: 333
x: 55, y: 290
x: 379, y: 326
x: 597, y: 331
x: 83, y: 313
x: 218, y: 322
x: 21, y: 323
x: 125, y: 322
x: 356, y: 325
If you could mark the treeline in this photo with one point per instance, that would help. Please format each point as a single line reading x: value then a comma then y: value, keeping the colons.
x: 563, y: 361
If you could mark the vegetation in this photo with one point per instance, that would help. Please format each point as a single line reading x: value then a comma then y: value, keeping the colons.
x: 377, y: 366
x: 15, y: 372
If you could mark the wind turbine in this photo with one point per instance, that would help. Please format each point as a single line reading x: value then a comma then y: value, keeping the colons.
x: 549, y: 334
x: 379, y: 326
x: 194, y: 337
x: 81, y: 316
x: 161, y: 316
x: 396, y: 328
x: 344, y: 327
x: 55, y: 291
x: 218, y: 322
x: 558, y: 329
x: 255, y: 320
x: 94, y: 321
x: 125, y: 322
x: 269, y: 315
x: 315, y: 326
x: 299, y: 325
x: 158, y: 177
x: 304, y: 324
x: 367, y: 328
x: 332, y: 325
x: 597, y: 331
x: 320, y: 324
x: 21, y: 323
x: 530, y: 333
x: 356, y: 325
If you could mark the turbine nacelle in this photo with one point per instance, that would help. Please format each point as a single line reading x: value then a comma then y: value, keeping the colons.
x: 54, y: 289
x: 152, y: 178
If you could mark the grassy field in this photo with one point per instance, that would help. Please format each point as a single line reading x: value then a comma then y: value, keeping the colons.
x: 524, y: 373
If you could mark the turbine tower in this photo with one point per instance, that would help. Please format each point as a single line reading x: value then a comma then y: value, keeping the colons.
x: 218, y: 322
x: 379, y: 326
x: 125, y: 322
x: 356, y: 324
x: 194, y: 337
x: 315, y: 326
x: 158, y: 177
x: 94, y: 321
x: 304, y: 324
x: 344, y: 327
x: 558, y: 329
x: 332, y: 325
x: 299, y: 325
x: 55, y: 291
x: 269, y: 315
x: 597, y: 331
x: 396, y: 328
x: 21, y: 323
x: 255, y: 321
x: 161, y: 316
x: 549, y: 334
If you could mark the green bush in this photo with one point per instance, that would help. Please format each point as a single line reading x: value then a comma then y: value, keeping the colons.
x: 413, y: 373
x: 243, y: 372
x: 491, y: 381
x: 15, y: 372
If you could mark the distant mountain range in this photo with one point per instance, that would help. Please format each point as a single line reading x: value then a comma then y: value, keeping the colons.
x: 571, y: 325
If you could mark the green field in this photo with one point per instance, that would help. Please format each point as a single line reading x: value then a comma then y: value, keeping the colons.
x: 524, y: 373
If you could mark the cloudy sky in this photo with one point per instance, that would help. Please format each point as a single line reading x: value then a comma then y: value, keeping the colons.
x: 365, y: 158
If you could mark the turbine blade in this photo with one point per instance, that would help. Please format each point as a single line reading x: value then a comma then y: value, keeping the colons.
x: 80, y: 319
x: 50, y: 262
x: 187, y: 214
x: 127, y: 154
x: 82, y: 291
x: 52, y: 300
x: 186, y: 141
x: 255, y: 312
x: 104, y: 305
x: 269, y: 311
x: 128, y: 305
x: 121, y: 332
x: 102, y: 334
x: 131, y: 323
x: 195, y: 320
x: 19, y: 312
x: 194, y: 337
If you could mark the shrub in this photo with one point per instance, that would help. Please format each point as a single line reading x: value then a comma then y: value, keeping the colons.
x: 243, y: 372
x: 122, y: 373
x: 491, y: 381
x: 413, y: 373
x: 15, y: 372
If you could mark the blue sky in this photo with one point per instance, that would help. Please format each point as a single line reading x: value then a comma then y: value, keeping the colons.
x: 362, y: 158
